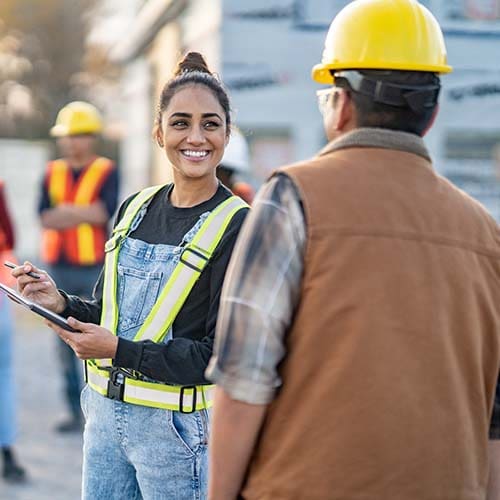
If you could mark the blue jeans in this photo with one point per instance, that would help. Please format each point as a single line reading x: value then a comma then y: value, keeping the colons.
x: 137, y: 452
x: 75, y: 280
x: 7, y: 392
x: 134, y: 452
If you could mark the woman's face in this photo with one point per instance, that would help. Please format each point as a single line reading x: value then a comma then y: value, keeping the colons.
x: 193, y: 132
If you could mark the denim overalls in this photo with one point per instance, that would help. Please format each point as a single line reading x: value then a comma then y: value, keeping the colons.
x: 131, y: 451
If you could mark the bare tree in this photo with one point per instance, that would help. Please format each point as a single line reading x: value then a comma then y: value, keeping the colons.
x: 45, y: 62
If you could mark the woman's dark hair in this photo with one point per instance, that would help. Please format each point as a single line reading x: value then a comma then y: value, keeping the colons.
x: 192, y: 69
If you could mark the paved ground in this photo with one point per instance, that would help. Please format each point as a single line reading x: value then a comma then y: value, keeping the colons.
x: 53, y: 461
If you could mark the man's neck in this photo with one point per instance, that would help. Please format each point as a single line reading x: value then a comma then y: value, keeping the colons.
x: 79, y: 162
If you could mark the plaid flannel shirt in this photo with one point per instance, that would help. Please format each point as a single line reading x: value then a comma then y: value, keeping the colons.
x: 260, y: 293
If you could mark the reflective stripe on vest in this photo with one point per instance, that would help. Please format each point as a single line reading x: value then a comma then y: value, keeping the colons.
x: 85, y: 194
x: 82, y: 245
x: 154, y: 395
x: 192, y: 261
x: 58, y: 188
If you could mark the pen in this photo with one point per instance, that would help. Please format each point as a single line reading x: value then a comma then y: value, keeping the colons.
x: 13, y: 266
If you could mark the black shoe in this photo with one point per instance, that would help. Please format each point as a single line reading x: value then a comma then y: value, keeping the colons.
x: 12, y: 471
x: 74, y: 424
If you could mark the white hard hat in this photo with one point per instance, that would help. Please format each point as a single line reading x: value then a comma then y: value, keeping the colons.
x: 236, y: 156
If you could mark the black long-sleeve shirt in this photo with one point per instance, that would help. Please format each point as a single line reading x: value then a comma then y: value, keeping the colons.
x: 183, y: 359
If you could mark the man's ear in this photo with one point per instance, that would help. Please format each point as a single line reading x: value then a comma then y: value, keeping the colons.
x: 432, y: 120
x: 344, y: 110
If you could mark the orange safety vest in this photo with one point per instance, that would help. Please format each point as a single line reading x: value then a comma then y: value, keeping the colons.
x: 244, y: 191
x: 83, y: 244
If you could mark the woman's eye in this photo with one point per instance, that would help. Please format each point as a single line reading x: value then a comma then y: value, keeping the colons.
x: 179, y: 124
x: 211, y: 125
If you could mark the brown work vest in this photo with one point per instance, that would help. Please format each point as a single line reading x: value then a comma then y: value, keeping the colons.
x: 393, y: 355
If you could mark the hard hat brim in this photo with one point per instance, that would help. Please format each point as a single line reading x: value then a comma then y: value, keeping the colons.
x: 63, y: 131
x: 321, y: 73
x: 59, y: 131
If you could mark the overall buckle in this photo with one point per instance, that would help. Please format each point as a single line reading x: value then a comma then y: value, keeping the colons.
x: 113, y: 242
x: 198, y: 266
x: 181, y: 398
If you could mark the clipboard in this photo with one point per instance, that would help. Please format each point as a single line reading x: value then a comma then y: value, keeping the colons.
x: 37, y: 309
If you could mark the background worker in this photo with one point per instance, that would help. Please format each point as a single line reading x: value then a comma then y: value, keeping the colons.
x: 366, y: 288
x: 11, y: 470
x: 78, y: 195
x: 147, y: 400
x: 234, y: 165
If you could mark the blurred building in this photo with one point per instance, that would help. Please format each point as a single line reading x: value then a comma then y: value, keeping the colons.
x: 22, y: 164
x: 468, y: 130
x: 159, y: 33
x: 264, y: 50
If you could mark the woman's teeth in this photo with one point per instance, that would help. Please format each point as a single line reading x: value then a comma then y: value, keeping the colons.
x: 195, y: 154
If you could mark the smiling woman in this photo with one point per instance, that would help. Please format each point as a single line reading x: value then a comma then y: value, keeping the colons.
x: 147, y: 402
x: 193, y: 140
x: 192, y: 126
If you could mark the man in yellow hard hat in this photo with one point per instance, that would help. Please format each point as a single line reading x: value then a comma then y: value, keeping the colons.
x: 357, y: 348
x: 77, y: 198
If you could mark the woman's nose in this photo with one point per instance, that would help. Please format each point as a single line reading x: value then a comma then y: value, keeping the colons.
x: 196, y: 136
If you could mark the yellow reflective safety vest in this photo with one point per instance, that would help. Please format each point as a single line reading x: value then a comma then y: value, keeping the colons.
x: 127, y: 385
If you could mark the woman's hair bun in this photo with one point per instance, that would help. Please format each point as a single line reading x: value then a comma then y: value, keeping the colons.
x: 192, y: 61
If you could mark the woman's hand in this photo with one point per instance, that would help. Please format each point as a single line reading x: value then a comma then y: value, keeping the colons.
x: 95, y: 342
x: 43, y: 291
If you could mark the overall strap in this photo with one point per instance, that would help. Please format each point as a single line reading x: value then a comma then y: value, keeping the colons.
x: 109, y: 314
x: 192, y: 261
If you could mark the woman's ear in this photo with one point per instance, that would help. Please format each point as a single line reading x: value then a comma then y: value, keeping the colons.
x: 158, y: 135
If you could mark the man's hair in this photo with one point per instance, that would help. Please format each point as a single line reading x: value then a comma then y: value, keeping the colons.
x: 376, y: 114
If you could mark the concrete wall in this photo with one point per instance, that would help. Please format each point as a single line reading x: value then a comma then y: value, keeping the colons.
x: 162, y: 58
x: 135, y: 147
x: 269, y: 47
x: 267, y: 65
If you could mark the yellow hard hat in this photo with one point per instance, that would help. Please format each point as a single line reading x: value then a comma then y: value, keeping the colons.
x: 383, y: 34
x: 77, y: 118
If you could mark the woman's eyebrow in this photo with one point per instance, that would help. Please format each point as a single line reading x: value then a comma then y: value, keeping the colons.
x: 210, y: 115
x: 181, y: 115
x: 189, y: 115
